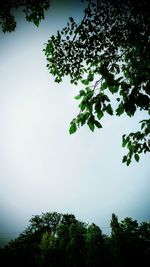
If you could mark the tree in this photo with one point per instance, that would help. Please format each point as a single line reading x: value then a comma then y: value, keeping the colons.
x: 46, y: 222
x: 94, y: 244
x: 129, y: 241
x: 67, y: 242
x: 70, y: 235
x: 109, y: 54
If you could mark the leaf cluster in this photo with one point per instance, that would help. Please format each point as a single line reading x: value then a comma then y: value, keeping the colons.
x: 34, y: 12
x: 137, y: 143
x: 108, y: 52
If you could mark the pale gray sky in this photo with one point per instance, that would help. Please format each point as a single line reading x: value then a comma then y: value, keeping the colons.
x: 42, y: 167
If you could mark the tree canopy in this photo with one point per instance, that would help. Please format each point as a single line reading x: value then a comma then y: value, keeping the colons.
x: 54, y: 239
x: 108, y: 55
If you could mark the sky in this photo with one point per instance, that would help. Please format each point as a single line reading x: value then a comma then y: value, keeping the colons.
x: 42, y: 167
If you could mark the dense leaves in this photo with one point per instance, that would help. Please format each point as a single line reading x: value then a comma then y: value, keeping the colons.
x: 108, y: 53
x: 137, y: 142
x: 34, y: 12
x: 54, y: 239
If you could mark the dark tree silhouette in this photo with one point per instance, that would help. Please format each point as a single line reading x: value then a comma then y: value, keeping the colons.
x: 127, y: 242
x: 55, y: 240
x: 94, y: 244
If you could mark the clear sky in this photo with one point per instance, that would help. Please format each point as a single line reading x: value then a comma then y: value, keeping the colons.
x: 42, y: 167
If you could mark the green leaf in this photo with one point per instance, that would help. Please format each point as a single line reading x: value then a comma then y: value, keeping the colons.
x: 143, y: 125
x: 104, y: 97
x: 91, y: 122
x: 85, y: 82
x: 98, y: 110
x: 82, y: 92
x: 120, y: 109
x: 73, y: 128
x: 71, y: 19
x: 82, y: 105
x: 91, y: 126
x: 100, y: 114
x: 109, y: 110
x: 125, y: 140
x: 130, y: 108
x: 104, y: 85
x: 78, y: 97
x: 84, y: 118
x: 113, y: 89
x: 128, y: 161
x: 136, y: 156
x: 130, y: 145
x: 124, y: 159
x: 90, y: 77
x: 98, y: 125
x: 88, y: 89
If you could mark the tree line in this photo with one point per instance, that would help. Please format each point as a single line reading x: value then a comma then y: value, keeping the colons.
x: 54, y: 240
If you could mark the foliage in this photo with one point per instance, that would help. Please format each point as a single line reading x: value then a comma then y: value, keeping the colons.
x: 108, y: 52
x: 55, y: 240
x: 34, y: 12
x: 137, y: 142
x: 94, y: 244
x: 127, y: 240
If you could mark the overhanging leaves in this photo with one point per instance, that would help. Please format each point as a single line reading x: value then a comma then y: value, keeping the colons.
x: 114, y: 56
x: 108, y: 53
